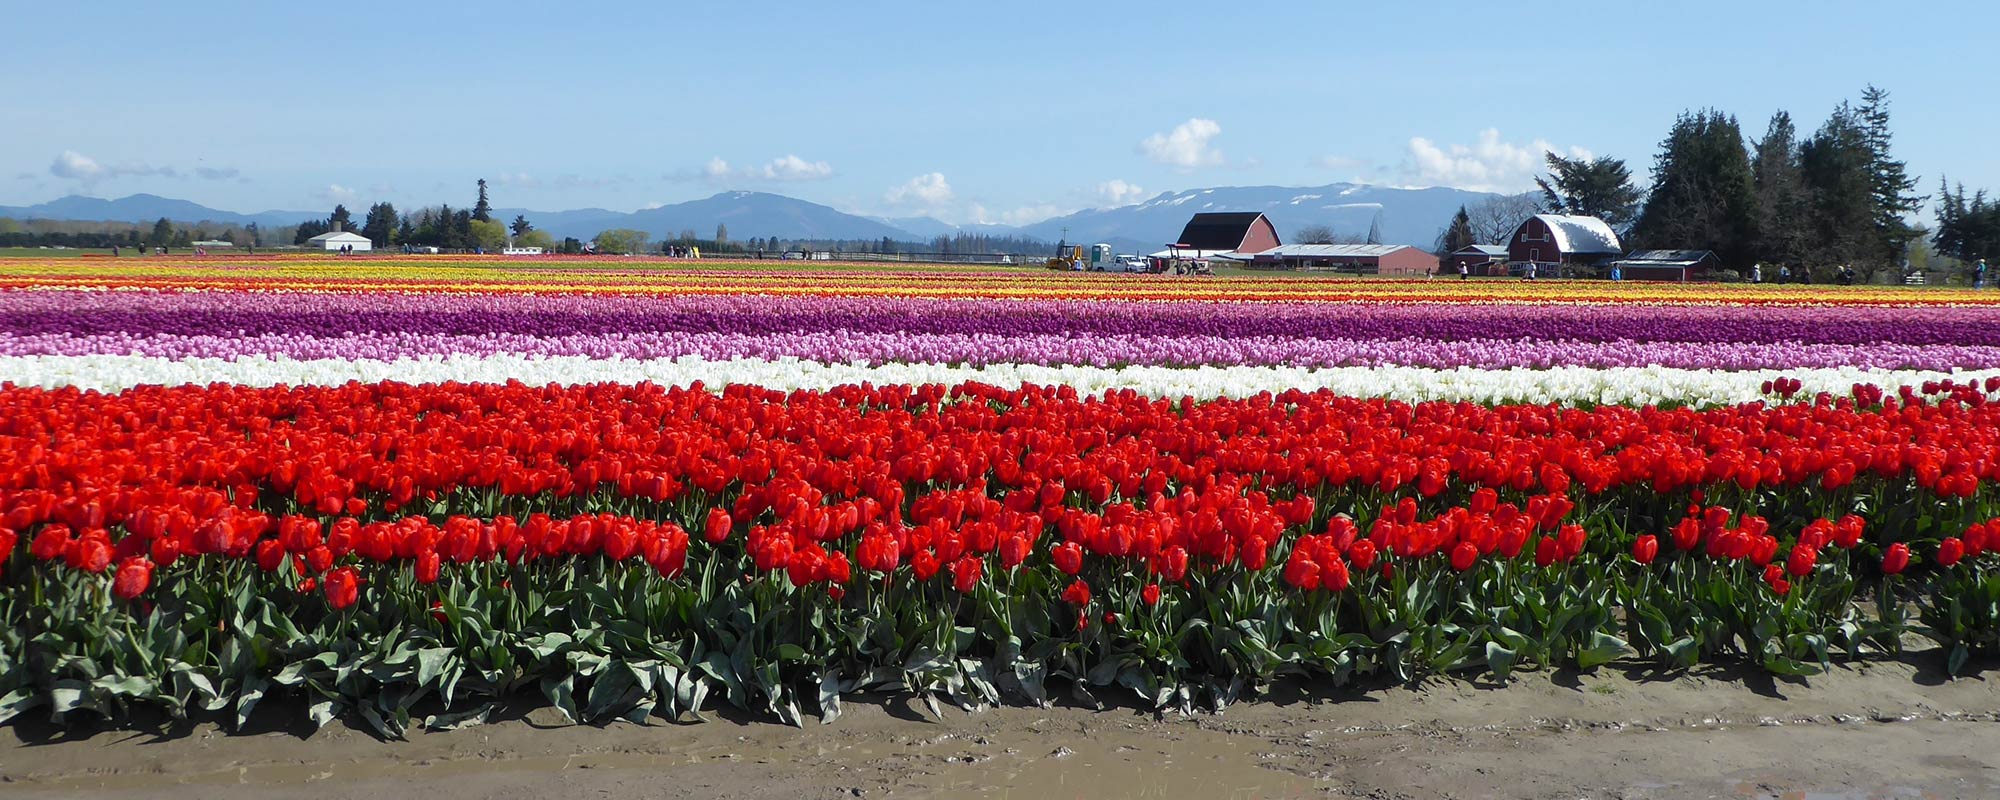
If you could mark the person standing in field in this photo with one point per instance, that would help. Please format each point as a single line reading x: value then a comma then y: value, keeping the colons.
x: 1756, y: 273
x: 1979, y: 274
x: 1464, y: 272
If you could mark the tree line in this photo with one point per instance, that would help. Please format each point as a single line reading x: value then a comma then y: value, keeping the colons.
x: 1836, y: 197
x: 103, y: 235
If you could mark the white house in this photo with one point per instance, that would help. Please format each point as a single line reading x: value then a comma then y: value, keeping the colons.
x: 338, y: 239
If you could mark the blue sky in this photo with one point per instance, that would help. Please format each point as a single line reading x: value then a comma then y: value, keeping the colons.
x: 1002, y: 112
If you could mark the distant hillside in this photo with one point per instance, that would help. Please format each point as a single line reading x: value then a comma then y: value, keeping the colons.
x: 1408, y: 216
x: 147, y: 208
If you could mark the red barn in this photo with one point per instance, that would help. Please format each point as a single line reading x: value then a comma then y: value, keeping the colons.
x: 1228, y: 232
x: 1559, y: 239
x: 1479, y: 259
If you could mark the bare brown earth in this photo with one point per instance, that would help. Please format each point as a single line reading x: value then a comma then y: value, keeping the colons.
x: 1882, y: 730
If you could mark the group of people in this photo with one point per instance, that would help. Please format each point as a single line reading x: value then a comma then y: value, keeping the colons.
x: 345, y: 250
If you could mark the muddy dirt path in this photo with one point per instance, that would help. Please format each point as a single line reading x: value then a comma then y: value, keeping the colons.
x: 1886, y: 730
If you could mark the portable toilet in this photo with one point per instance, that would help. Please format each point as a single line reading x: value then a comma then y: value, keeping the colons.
x: 1100, y: 255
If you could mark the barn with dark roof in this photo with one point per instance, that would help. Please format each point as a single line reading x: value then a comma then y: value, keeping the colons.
x: 1228, y: 232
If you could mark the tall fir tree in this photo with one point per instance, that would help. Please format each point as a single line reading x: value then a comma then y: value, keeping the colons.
x: 520, y: 225
x: 1889, y: 181
x: 1835, y: 165
x: 380, y: 224
x: 482, y: 210
x: 1458, y: 235
x: 1600, y: 187
x: 1782, y: 237
x: 1703, y: 195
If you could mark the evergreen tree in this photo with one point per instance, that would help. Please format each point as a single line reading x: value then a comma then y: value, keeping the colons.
x: 1703, y: 195
x: 406, y: 232
x: 163, y: 233
x: 721, y: 233
x: 1458, y: 235
x: 1782, y: 238
x: 520, y: 225
x: 1375, y: 230
x: 1968, y: 228
x: 1600, y: 188
x: 380, y: 224
x: 341, y: 216
x: 1890, y: 183
x: 1839, y: 186
x: 482, y: 210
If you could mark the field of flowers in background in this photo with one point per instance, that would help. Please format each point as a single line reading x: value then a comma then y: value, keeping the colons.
x: 402, y: 489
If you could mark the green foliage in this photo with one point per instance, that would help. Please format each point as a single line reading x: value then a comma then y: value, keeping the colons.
x: 1703, y: 195
x: 1458, y: 235
x: 486, y: 234
x: 621, y: 240
x: 1600, y: 187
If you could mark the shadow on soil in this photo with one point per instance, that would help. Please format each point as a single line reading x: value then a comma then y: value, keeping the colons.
x: 285, y: 714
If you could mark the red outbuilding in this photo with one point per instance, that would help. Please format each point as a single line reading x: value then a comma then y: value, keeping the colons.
x: 1552, y: 240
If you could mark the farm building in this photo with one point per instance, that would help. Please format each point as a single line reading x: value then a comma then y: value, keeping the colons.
x: 1222, y: 232
x: 1362, y: 259
x: 1667, y: 265
x: 1479, y: 259
x: 337, y: 239
x: 1560, y: 239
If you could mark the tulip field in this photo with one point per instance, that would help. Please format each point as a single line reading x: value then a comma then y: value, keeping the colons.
x: 401, y: 490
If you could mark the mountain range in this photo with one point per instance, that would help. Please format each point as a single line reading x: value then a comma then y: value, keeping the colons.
x: 1404, y: 216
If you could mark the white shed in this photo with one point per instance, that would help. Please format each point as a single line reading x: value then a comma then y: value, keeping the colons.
x: 338, y: 239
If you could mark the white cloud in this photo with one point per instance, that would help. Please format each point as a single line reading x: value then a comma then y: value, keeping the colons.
x: 793, y: 168
x: 1187, y: 146
x: 72, y: 165
x: 77, y: 166
x: 784, y: 169
x: 336, y: 193
x: 929, y: 190
x: 1117, y: 192
x: 652, y: 205
x: 1488, y: 165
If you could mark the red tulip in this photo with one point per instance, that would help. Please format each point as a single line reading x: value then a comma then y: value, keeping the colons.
x: 1077, y: 594
x: 1362, y: 553
x: 1150, y: 595
x: 427, y: 567
x: 1896, y: 559
x: 1547, y: 552
x: 1463, y: 556
x: 1800, y: 563
x: 1950, y: 551
x: 343, y: 587
x: 133, y: 576
x: 965, y: 573
x: 1068, y: 557
x: 1645, y: 548
x: 8, y: 540
x: 716, y: 529
x: 270, y: 555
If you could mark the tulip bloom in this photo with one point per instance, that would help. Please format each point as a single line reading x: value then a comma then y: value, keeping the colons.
x: 1645, y: 548
x: 134, y: 575
x: 1150, y: 595
x: 1896, y: 559
x: 1950, y: 551
x: 343, y: 588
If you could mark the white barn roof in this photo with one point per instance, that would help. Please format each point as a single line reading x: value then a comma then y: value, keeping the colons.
x: 1574, y: 234
x: 343, y: 237
x: 1332, y: 250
